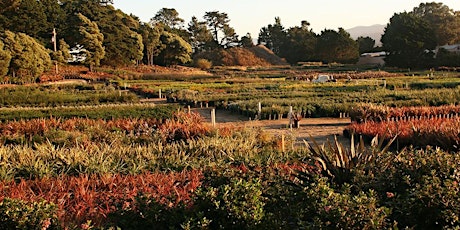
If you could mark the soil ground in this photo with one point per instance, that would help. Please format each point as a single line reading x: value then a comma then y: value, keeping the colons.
x: 321, y: 129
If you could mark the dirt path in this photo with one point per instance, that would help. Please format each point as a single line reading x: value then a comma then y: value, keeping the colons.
x: 321, y: 129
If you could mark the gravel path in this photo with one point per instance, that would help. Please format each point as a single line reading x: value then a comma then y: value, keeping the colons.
x: 321, y: 129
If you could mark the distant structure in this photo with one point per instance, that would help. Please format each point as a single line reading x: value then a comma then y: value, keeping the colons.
x: 106, y: 2
x: 372, y: 59
x: 455, y: 48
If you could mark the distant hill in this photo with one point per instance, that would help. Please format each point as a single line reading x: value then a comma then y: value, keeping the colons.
x: 237, y: 56
x: 374, y: 31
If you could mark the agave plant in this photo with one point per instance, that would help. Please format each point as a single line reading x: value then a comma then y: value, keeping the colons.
x: 338, y: 162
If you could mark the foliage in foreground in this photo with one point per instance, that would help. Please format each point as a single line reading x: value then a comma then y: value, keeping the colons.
x: 419, y: 189
x: 19, y: 214
x: 413, y: 188
x: 85, y: 197
x: 228, y: 179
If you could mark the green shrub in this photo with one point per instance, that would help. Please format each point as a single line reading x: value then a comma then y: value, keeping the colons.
x: 148, y: 214
x: 18, y: 214
x: 236, y: 204
x: 327, y: 208
x: 422, y: 188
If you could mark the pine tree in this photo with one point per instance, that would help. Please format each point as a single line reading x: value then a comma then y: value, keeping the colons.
x: 175, y: 50
x: 92, y: 40
x: 5, y: 58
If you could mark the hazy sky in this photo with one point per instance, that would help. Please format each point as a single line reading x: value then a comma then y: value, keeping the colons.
x: 251, y: 15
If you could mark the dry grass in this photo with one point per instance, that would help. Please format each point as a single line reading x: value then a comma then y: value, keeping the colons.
x: 256, y: 56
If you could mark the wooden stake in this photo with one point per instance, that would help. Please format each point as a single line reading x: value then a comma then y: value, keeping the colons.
x: 283, y: 143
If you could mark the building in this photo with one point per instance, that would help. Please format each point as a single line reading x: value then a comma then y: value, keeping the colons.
x: 372, y: 59
x: 455, y: 48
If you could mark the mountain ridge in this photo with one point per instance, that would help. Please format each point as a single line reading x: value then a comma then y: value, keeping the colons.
x: 374, y: 31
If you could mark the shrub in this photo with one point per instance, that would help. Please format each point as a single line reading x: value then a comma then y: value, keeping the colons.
x: 236, y: 204
x: 18, y: 214
x: 421, y: 187
x: 327, y: 208
x: 203, y: 64
x: 183, y: 126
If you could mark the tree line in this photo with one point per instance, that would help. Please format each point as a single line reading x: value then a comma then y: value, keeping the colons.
x: 98, y: 34
x: 411, y: 38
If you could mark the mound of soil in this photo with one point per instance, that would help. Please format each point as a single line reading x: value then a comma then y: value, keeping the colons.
x: 237, y: 56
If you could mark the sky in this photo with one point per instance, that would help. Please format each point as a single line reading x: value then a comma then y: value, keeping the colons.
x: 249, y: 16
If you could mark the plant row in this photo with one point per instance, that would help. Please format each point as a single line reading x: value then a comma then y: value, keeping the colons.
x: 370, y: 112
x: 78, y: 147
x: 439, y: 132
x: 57, y: 95
x: 409, y: 189
x: 315, y: 101
x: 112, y: 111
x: 93, y: 198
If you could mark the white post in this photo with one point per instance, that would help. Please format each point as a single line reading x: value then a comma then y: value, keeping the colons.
x: 283, y: 148
x: 55, y: 50
x: 213, y: 117
x: 290, y: 116
x: 159, y: 93
x: 260, y: 108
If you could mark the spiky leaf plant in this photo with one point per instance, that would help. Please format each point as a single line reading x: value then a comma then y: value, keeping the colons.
x: 339, y: 163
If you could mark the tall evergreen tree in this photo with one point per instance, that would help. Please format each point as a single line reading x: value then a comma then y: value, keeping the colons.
x: 337, y: 46
x: 273, y: 36
x: 175, y: 50
x: 63, y: 52
x: 27, y: 17
x: 223, y: 34
x: 151, y: 40
x: 366, y: 44
x: 123, y: 44
x: 5, y: 7
x: 169, y: 17
x: 55, y: 19
x: 409, y: 40
x: 300, y: 44
x: 91, y: 42
x: 443, y: 21
x: 201, y: 38
x: 5, y: 58
x: 246, y: 41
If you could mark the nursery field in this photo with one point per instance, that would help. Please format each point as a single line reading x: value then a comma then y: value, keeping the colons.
x: 102, y: 154
x: 241, y: 91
